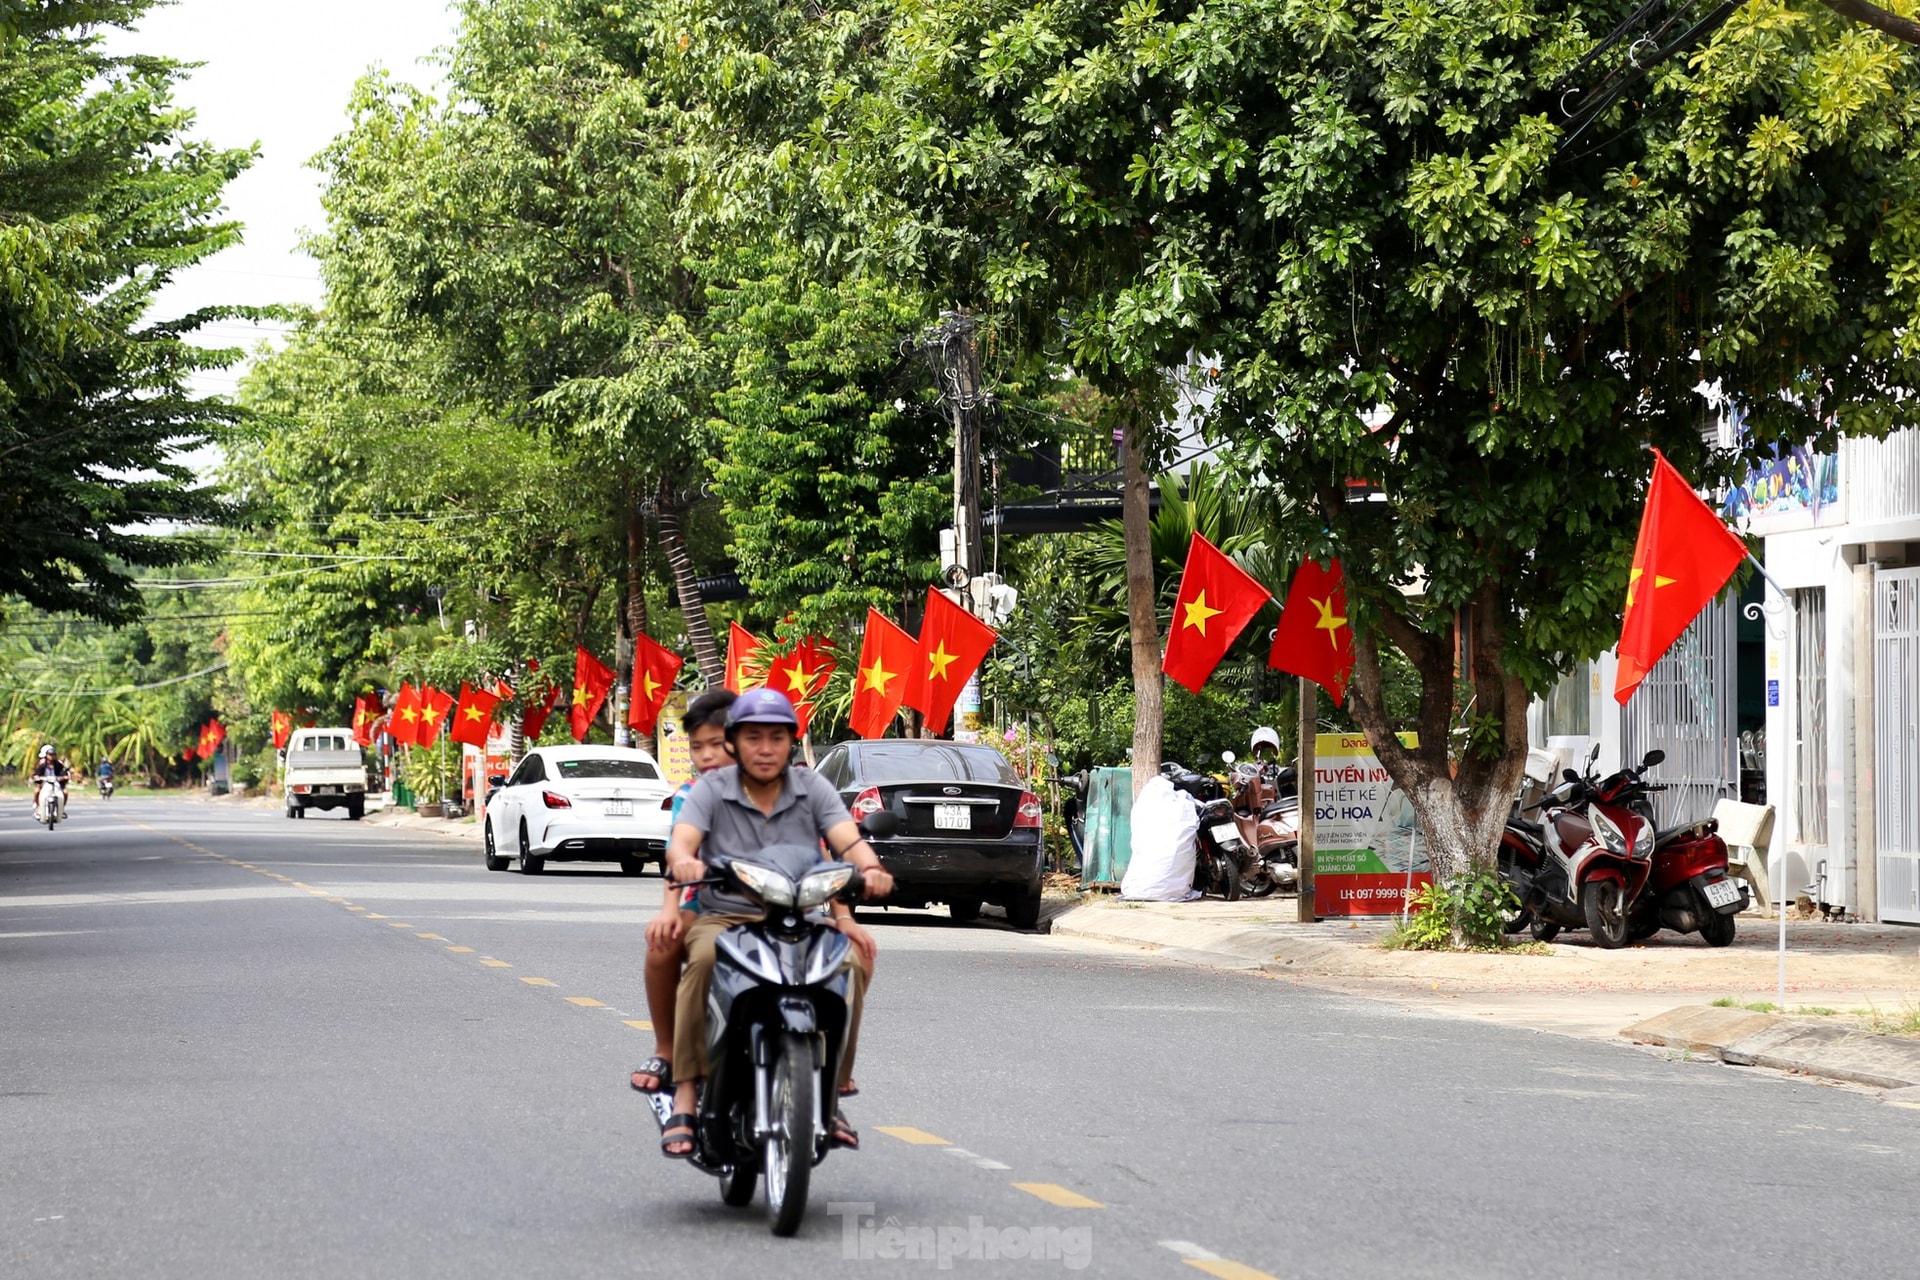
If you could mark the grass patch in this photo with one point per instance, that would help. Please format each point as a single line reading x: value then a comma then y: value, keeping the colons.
x: 1754, y: 1006
x: 1406, y: 938
x: 1904, y: 1022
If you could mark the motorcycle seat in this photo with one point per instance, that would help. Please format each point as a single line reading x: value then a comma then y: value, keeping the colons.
x: 1279, y: 810
x: 1528, y: 825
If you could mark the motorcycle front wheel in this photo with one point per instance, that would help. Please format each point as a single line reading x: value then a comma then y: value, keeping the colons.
x: 1604, y: 903
x: 791, y: 1145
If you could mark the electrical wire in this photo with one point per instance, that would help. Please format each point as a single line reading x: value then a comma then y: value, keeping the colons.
x: 107, y: 693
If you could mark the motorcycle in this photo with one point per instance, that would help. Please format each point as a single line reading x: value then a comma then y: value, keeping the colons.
x: 1074, y: 810
x: 1587, y: 859
x: 779, y: 1011
x: 49, y: 802
x: 1688, y: 890
x: 1266, y: 807
x: 106, y: 787
x: 1221, y: 856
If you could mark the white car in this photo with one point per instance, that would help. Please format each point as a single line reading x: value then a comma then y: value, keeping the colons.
x: 580, y: 804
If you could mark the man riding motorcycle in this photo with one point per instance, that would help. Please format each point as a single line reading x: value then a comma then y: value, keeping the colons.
x: 106, y: 777
x: 50, y: 771
x: 742, y: 808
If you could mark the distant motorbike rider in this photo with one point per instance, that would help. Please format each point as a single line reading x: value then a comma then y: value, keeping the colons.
x: 738, y: 810
x: 105, y: 772
x: 50, y: 772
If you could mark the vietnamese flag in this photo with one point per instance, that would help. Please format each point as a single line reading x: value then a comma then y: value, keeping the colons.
x: 953, y: 644
x: 1682, y: 558
x: 1216, y: 601
x: 592, y: 679
x: 472, y: 716
x: 434, y: 706
x: 742, y: 645
x: 655, y: 668
x: 216, y: 734
x: 887, y: 655
x: 280, y: 725
x: 403, y: 725
x: 366, y: 709
x: 1314, y: 639
x: 203, y: 749
x: 536, y: 717
x: 800, y: 675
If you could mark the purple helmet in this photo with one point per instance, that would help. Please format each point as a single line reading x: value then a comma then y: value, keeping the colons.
x: 762, y: 706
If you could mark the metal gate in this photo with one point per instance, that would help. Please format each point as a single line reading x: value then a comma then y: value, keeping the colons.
x: 1687, y: 707
x: 1896, y: 765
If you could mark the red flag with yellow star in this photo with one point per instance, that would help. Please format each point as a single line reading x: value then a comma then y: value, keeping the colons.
x: 801, y: 675
x: 655, y: 668
x: 742, y: 645
x: 592, y: 679
x: 887, y: 654
x: 1216, y: 601
x: 403, y: 723
x: 1313, y: 639
x: 1682, y: 558
x: 536, y: 717
x: 434, y: 706
x: 472, y: 716
x: 953, y: 644
x: 281, y: 726
x: 366, y: 709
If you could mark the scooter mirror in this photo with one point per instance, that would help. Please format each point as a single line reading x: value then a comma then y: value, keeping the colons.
x: 1568, y: 775
x: 1654, y: 757
x: 1227, y: 757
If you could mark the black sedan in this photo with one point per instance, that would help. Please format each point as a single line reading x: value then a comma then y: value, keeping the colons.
x: 969, y: 829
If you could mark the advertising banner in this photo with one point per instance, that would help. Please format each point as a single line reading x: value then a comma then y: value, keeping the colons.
x: 1367, y: 856
x: 676, y: 760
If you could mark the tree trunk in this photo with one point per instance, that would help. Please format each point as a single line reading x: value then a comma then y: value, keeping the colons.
x: 685, y: 585
x: 1143, y: 626
x: 1462, y: 799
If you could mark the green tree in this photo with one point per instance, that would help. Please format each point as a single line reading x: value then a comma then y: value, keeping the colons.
x: 103, y: 199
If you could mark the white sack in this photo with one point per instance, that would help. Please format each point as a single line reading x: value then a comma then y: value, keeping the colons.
x: 1165, y: 824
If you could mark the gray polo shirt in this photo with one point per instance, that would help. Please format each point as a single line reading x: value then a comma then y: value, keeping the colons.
x: 730, y: 823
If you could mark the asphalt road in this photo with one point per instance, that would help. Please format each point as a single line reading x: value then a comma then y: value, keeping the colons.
x: 233, y: 1045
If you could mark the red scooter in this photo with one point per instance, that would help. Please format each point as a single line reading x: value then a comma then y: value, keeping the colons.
x: 1587, y: 859
x: 1688, y: 890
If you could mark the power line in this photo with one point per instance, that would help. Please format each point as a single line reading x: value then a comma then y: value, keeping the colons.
x: 106, y: 693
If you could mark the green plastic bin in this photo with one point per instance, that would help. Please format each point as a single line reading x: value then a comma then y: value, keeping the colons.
x: 1109, y: 828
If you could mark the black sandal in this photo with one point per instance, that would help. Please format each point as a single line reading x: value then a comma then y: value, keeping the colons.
x: 842, y: 1134
x: 849, y: 1090
x: 657, y: 1067
x: 679, y: 1129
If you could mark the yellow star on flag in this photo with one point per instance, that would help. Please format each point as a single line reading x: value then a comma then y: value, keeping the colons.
x: 1198, y: 613
x: 471, y: 713
x: 1633, y: 580
x: 798, y: 678
x: 1328, y: 622
x: 876, y: 677
x: 579, y: 695
x: 648, y: 685
x: 939, y: 660
x: 408, y: 714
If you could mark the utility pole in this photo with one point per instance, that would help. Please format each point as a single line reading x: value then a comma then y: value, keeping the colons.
x: 955, y: 354
x: 1303, y: 784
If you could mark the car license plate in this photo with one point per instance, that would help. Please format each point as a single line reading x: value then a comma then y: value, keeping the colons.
x: 1722, y: 893
x: 1224, y: 832
x: 952, y: 817
x: 619, y: 809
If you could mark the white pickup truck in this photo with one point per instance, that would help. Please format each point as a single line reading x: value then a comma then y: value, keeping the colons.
x: 325, y: 770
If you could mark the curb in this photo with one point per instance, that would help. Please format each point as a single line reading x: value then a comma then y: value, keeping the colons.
x: 1212, y: 944
x: 1744, y: 1039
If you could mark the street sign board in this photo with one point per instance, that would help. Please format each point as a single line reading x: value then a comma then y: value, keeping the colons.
x: 1368, y: 857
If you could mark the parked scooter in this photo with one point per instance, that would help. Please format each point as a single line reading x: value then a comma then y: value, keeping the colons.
x: 1266, y: 807
x: 1220, y: 855
x: 1588, y: 858
x: 1688, y: 890
x: 780, y: 1008
x: 1075, y: 787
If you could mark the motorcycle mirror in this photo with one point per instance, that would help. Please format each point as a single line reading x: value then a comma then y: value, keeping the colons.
x: 1227, y: 757
x: 1593, y: 754
x: 1654, y: 757
x: 883, y: 825
x: 1568, y: 775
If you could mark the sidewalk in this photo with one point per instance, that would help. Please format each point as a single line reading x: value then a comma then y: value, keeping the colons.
x: 1577, y: 989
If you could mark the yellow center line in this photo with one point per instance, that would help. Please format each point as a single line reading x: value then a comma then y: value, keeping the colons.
x: 336, y: 899
x: 585, y: 1002
x: 539, y: 982
x: 909, y: 1134
x: 639, y: 1024
x: 1055, y: 1194
x: 430, y: 937
x: 461, y: 950
x: 496, y: 964
x: 356, y: 908
x: 1227, y: 1269
x: 375, y: 915
x: 395, y: 924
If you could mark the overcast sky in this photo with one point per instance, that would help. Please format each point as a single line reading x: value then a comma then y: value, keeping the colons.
x: 277, y: 73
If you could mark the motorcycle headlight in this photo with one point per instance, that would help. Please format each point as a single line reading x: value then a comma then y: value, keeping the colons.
x: 1643, y: 840
x: 765, y: 884
x: 819, y: 886
x: 1609, y: 833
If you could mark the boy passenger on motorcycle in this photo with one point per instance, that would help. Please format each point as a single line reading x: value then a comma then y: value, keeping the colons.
x: 743, y: 808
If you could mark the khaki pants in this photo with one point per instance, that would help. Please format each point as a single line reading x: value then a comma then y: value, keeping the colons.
x: 690, y: 1009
